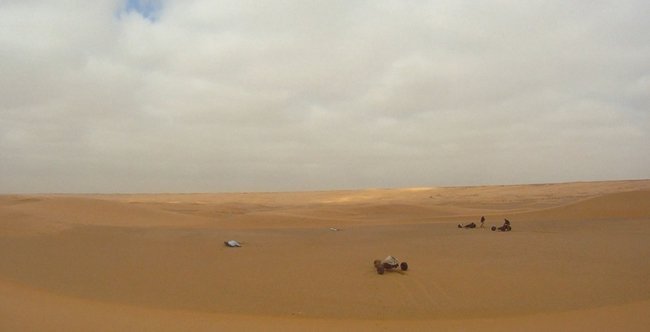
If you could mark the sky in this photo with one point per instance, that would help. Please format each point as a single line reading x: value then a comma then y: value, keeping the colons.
x: 232, y: 96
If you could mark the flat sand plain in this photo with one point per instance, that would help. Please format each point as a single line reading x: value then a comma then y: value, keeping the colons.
x: 577, y: 259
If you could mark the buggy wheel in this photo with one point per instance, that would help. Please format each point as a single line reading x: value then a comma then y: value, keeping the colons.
x: 494, y: 228
x: 380, y: 269
x: 377, y: 263
x: 404, y: 266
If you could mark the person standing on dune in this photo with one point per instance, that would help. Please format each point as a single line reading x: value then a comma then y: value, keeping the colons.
x: 482, y: 221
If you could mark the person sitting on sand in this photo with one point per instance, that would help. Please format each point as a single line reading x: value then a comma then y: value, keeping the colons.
x: 470, y: 225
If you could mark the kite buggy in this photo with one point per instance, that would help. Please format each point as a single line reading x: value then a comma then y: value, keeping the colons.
x: 390, y: 263
x: 504, y: 228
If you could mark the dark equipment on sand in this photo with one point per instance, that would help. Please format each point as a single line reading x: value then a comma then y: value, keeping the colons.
x: 389, y: 263
x: 504, y: 228
x: 470, y: 225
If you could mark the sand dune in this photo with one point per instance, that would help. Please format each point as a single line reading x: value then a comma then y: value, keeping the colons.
x: 577, y: 259
x: 633, y: 204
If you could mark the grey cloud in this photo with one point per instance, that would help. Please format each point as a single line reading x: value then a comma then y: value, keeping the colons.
x: 285, y: 95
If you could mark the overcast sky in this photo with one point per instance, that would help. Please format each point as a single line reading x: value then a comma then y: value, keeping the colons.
x: 213, y: 96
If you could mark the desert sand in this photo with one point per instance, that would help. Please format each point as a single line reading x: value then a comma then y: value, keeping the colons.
x: 577, y: 259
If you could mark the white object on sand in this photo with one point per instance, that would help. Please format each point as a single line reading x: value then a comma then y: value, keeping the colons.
x: 390, y: 260
x: 232, y: 243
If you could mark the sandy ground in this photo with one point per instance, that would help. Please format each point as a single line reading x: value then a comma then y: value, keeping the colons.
x: 578, y: 259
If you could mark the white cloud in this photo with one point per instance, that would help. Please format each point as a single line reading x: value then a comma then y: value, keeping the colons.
x: 285, y: 95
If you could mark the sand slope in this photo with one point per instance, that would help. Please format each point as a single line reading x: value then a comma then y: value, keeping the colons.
x: 577, y: 259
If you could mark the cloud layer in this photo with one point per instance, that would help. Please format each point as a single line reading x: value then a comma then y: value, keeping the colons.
x: 187, y: 96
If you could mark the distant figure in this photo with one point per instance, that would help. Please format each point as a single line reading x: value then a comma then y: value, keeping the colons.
x: 470, y: 225
x: 504, y: 228
x: 482, y: 221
